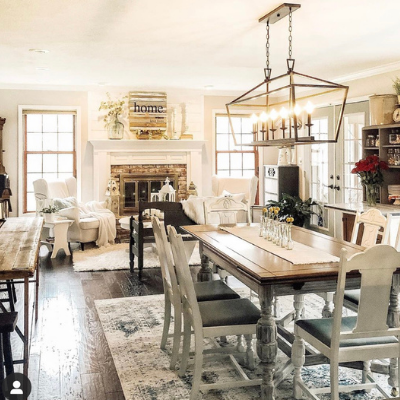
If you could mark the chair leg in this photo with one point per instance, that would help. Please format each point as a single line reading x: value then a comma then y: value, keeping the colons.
x: 366, y: 371
x: 8, y: 358
x: 298, y: 304
x: 298, y: 360
x: 177, y: 336
x: 334, y: 380
x: 167, y: 321
x: 82, y: 246
x: 198, y: 364
x: 10, y: 295
x: 239, y: 345
x: 186, y: 346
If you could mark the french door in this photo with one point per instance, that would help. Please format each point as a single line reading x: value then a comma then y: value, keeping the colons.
x: 328, y: 166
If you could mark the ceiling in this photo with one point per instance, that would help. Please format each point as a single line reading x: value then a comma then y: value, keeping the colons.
x: 160, y: 44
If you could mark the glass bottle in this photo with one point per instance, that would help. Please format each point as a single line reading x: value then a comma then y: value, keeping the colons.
x: 391, y: 160
x: 262, y: 226
x: 290, y: 243
x: 370, y: 141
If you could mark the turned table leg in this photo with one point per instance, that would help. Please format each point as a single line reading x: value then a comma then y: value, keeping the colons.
x: 393, y: 322
x: 205, y: 273
x: 267, y: 345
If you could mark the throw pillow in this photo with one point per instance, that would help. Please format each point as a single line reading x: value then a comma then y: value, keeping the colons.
x: 66, y: 202
x: 239, y: 197
x: 70, y: 213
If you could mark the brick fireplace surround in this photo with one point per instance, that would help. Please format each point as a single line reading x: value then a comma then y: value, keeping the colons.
x: 112, y: 157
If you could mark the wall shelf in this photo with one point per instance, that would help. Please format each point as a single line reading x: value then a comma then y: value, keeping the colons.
x: 392, y: 175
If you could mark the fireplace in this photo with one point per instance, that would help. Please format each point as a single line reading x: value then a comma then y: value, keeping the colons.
x: 135, y: 188
x: 138, y: 182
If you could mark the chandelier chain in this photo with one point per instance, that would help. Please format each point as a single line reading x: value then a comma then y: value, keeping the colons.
x: 290, y: 32
x: 267, y: 45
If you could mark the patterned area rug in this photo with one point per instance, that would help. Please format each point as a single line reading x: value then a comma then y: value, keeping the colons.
x: 116, y: 257
x: 133, y: 328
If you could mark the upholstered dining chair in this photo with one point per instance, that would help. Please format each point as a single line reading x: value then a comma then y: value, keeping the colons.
x: 359, y: 338
x: 227, y: 209
x: 205, y: 291
x: 210, y: 319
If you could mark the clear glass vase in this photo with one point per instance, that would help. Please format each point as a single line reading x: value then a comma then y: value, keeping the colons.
x: 371, y: 194
x: 115, y: 129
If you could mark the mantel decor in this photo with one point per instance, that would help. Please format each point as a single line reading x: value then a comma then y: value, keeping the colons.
x: 115, y: 108
x: 284, y: 109
x: 148, y: 115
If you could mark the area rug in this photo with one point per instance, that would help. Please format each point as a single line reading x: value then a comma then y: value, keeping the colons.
x: 116, y: 257
x: 133, y: 328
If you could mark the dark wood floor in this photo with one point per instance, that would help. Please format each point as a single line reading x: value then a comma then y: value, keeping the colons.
x: 70, y: 358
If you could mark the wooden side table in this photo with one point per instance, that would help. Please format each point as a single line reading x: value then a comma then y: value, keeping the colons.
x: 59, y: 228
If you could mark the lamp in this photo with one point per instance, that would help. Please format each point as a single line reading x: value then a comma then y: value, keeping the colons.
x: 292, y: 94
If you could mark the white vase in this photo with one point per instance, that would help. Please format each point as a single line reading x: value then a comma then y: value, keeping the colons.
x: 282, y: 156
x: 48, y: 217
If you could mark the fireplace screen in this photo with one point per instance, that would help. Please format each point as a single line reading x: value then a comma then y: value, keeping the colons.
x: 135, y: 188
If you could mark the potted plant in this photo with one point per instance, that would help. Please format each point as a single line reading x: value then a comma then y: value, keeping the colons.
x: 48, y: 213
x: 396, y: 87
x: 295, y: 207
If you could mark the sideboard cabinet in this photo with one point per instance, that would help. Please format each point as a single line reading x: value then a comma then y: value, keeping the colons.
x: 280, y: 179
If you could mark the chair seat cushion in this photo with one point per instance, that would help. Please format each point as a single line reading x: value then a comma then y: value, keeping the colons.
x: 214, y: 290
x: 352, y: 296
x: 229, y: 312
x: 89, y: 223
x: 321, y: 329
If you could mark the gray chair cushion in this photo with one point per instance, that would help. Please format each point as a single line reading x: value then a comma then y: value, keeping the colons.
x: 229, y: 312
x: 214, y: 290
x: 352, y: 295
x: 321, y: 329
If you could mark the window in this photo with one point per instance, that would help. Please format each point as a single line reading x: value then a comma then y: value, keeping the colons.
x: 49, y: 149
x: 231, y: 160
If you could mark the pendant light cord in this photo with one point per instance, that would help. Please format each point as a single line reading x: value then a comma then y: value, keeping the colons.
x: 290, y: 33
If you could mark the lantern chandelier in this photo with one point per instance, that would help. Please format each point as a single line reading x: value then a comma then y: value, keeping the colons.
x: 283, y: 111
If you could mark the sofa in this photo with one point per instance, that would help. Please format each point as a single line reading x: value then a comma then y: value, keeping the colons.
x: 93, y: 222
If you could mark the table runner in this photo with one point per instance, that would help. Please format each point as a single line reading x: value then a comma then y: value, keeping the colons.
x: 301, y: 254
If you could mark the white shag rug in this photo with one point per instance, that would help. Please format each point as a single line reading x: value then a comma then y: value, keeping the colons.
x: 116, y: 257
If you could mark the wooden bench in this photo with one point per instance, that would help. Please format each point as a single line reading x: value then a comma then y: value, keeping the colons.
x: 141, y: 235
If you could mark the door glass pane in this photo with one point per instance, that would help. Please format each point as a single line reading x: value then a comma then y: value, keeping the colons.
x: 352, y: 152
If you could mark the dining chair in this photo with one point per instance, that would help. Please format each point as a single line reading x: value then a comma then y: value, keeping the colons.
x: 227, y: 209
x: 210, y: 319
x: 359, y: 338
x: 205, y: 291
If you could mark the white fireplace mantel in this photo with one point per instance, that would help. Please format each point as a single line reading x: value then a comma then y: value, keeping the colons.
x: 119, y: 152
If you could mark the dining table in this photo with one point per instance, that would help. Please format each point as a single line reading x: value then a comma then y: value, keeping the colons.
x: 272, y: 271
x: 19, y: 254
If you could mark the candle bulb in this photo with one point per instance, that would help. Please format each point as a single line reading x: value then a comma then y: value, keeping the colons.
x: 273, y: 117
x: 254, y: 120
x: 264, y: 118
x: 284, y: 114
x: 309, y: 109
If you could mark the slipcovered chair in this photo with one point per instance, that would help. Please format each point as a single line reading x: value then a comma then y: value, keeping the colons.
x: 228, y: 186
x: 62, y: 193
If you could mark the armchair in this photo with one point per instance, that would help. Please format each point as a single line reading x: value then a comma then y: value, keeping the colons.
x: 93, y: 222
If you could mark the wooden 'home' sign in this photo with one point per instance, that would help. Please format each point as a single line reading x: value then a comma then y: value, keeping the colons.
x: 148, y: 114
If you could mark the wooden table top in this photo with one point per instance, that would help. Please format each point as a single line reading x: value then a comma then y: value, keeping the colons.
x: 19, y: 247
x: 266, y: 267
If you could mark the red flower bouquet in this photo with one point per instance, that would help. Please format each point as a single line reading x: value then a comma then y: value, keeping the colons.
x: 370, y: 170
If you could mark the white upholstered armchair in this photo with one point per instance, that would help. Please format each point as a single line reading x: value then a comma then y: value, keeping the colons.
x: 93, y: 222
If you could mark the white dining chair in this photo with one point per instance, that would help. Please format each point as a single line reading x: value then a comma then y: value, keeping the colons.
x: 211, y: 319
x: 227, y: 209
x: 205, y: 291
x: 359, y: 338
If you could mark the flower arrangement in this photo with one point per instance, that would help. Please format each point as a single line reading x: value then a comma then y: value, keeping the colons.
x: 115, y: 108
x: 396, y: 86
x: 370, y: 170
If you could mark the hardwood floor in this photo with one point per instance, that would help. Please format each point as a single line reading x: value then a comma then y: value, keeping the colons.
x: 69, y: 357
